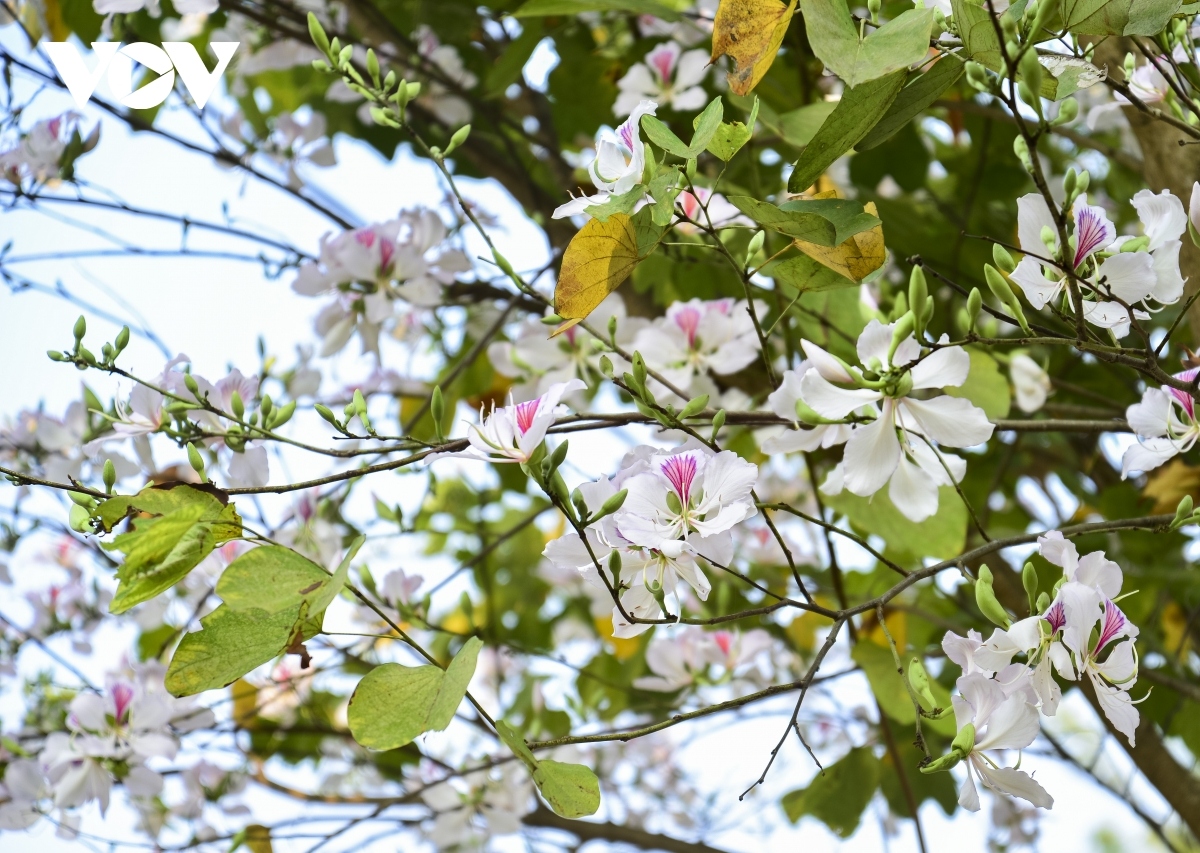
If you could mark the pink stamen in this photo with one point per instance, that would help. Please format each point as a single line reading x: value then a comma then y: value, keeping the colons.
x: 680, y: 472
x: 662, y: 60
x: 1184, y: 398
x: 387, y: 250
x: 628, y: 132
x: 1114, y: 620
x: 1056, y: 616
x: 688, y: 319
x: 122, y: 698
x: 1090, y: 233
x: 690, y: 204
x: 365, y: 237
x: 526, y: 412
x: 724, y: 641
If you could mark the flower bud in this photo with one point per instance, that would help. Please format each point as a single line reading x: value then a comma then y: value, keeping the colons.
x: 1001, y: 290
x: 918, y: 293
x: 974, y: 304
x: 122, y: 339
x: 1021, y: 149
x: 614, y: 559
x: 327, y: 414
x: 612, y: 504
x: 1031, y: 72
x: 1002, y: 259
x: 502, y: 262
x: 265, y: 407
x: 373, y: 66
x: 1068, y: 111
x: 1043, y: 602
x: 606, y: 368
x: 756, y: 244
x: 109, y: 475
x: 690, y: 169
x: 79, y: 519
x: 190, y: 383
x: 437, y: 409
x: 1183, y: 512
x: 985, y: 598
x: 977, y: 76
x: 1029, y: 580
x: 80, y: 329
x: 344, y: 57
x: 55, y: 355
x: 196, y: 461
x: 235, y: 403
x: 873, y: 7
x: 904, y: 328
x: 317, y: 33
x: 557, y: 457
x: 459, y: 137
x: 919, y: 679
x: 694, y: 406
x: 282, y: 416
x: 718, y: 421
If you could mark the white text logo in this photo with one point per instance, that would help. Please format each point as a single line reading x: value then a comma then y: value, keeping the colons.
x: 173, y: 56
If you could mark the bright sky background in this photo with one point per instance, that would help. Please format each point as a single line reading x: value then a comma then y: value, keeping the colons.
x: 213, y: 310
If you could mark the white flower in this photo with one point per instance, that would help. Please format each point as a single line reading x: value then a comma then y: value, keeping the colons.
x: 1146, y: 84
x: 1194, y: 207
x: 1165, y: 424
x: 618, y: 166
x: 675, y: 661
x: 450, y: 109
x: 1113, y: 677
x: 38, y: 154
x: 696, y: 337
x: 684, y: 493
x: 1001, y: 722
x: 515, y: 432
x: 720, y: 212
x: 1029, y: 381
x: 293, y: 142
x: 496, y: 803
x: 23, y: 790
x: 666, y: 76
x: 896, y: 446
x: 786, y: 402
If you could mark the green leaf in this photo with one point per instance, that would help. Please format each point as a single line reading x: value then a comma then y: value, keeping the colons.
x: 231, y: 644
x: 898, y: 44
x: 705, y: 126
x: 160, y: 551
x: 157, y: 500
x: 623, y: 203
x: 393, y: 704
x: 856, y: 113
x: 1118, y: 17
x: 333, y: 584
x: 270, y: 578
x: 508, y: 67
x: 572, y: 790
x: 942, y: 536
x: 838, y: 795
x: 918, y: 93
x: 986, y: 386
x: 516, y: 743
x: 887, y: 684
x: 665, y: 138
x: 803, y: 273
x: 731, y: 136
x: 546, y: 8
x: 826, y: 222
x: 664, y: 189
x: 798, y: 127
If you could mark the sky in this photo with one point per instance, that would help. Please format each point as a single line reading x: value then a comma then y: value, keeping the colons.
x: 215, y: 310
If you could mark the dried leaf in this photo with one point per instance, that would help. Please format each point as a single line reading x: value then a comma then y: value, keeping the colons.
x: 750, y: 32
x: 598, y: 260
x: 855, y: 258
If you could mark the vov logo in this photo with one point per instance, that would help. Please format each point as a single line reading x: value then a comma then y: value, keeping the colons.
x: 173, y: 56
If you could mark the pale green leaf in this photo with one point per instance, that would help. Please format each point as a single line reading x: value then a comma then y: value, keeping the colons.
x: 270, y: 578
x: 986, y: 386
x: 731, y: 136
x: 838, y: 795
x: 572, y: 790
x: 898, y: 44
x: 705, y: 126
x: 942, y: 536
x: 1118, y: 17
x: 803, y: 273
x: 826, y: 222
x: 917, y: 94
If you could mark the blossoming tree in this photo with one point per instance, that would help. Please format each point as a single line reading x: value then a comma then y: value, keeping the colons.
x: 854, y: 398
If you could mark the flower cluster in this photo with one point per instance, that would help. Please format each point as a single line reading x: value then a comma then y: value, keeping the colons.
x: 1165, y: 424
x: 688, y: 658
x: 369, y: 268
x: 892, y: 435
x: 696, y: 338
x: 679, y: 508
x: 1117, y: 273
x: 110, y: 737
x: 38, y: 155
x: 667, y: 75
x: 1079, y: 633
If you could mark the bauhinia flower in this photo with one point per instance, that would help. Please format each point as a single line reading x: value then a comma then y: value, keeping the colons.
x: 1111, y: 270
x: 897, y: 447
x: 989, y: 721
x: 786, y: 402
x: 666, y: 75
x: 1114, y: 676
x: 696, y: 337
x: 1165, y: 424
x: 707, y: 208
x: 515, y: 432
x: 618, y: 166
x: 1030, y: 383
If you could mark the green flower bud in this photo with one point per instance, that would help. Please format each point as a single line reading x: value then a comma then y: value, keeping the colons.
x: 80, y: 329
x: 918, y: 293
x: 1021, y: 149
x: 1068, y: 111
x: 718, y: 421
x: 614, y: 560
x: 557, y: 457
x: 235, y: 403
x: 1043, y: 602
x: 755, y: 245
x: 985, y: 598
x: 122, y: 339
x: 612, y: 504
x: 373, y: 66
x: 904, y: 328
x: 282, y: 416
x: 437, y: 409
x: 459, y: 137
x: 694, y: 406
x: 1002, y: 258
x: 1029, y: 580
x: 55, y: 355
x: 1002, y: 291
x: 606, y: 368
x: 196, y: 461
x: 317, y: 33
x: 1183, y: 512
x: 964, y: 741
x: 79, y: 519
x: 919, y: 679
x: 109, y: 474
x: 265, y: 407
x: 1031, y: 71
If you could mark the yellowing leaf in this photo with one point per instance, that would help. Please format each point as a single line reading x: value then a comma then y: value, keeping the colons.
x: 749, y: 32
x: 245, y: 703
x: 1170, y: 483
x: 1174, y: 627
x: 623, y: 647
x: 857, y: 257
x: 598, y: 260
x: 59, y: 31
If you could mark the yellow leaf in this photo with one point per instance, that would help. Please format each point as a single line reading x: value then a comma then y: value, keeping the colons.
x: 1168, y: 486
x: 856, y: 258
x: 897, y: 625
x: 245, y: 703
x: 1174, y: 627
x: 258, y: 838
x: 59, y: 31
x: 623, y: 647
x: 749, y: 32
x: 597, y: 261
